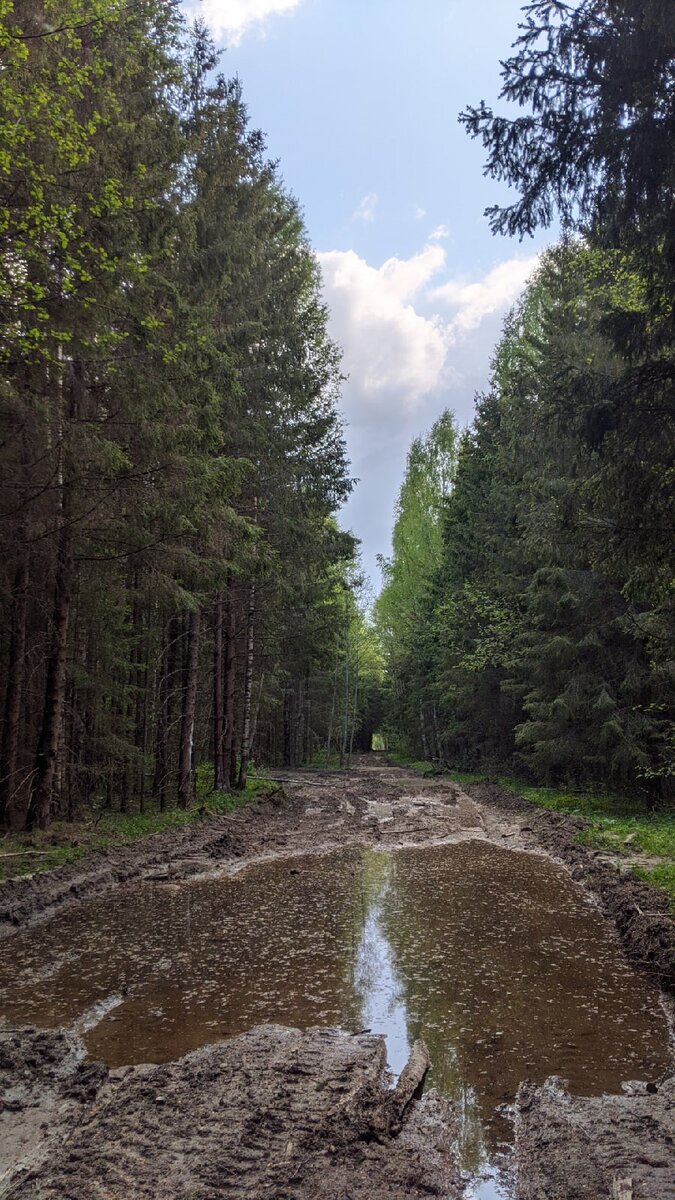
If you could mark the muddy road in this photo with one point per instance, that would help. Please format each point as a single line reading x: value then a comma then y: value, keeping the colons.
x: 223, y: 1011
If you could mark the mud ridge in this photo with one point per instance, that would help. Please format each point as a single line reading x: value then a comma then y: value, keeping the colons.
x: 640, y: 913
x: 620, y: 1147
x: 275, y: 1113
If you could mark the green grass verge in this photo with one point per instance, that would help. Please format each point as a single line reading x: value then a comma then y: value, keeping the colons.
x: 66, y: 842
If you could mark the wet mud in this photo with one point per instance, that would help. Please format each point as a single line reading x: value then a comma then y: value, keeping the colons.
x: 587, y: 1148
x: 640, y: 913
x: 274, y: 1113
x: 374, y: 901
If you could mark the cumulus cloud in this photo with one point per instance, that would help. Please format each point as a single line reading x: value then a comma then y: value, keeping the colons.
x: 419, y: 212
x: 365, y: 209
x: 397, y: 327
x: 231, y: 19
x: 413, y: 345
x: 475, y: 301
x: 439, y: 233
x: 389, y: 347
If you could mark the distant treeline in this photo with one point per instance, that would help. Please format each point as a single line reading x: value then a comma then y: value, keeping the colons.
x: 172, y: 584
x: 528, y: 610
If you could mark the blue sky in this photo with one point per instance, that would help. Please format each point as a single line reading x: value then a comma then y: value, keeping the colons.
x: 359, y: 102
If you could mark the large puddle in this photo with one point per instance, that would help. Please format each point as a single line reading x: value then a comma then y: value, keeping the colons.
x: 495, y: 958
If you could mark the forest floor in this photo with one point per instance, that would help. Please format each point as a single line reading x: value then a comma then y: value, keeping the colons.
x: 65, y: 842
x: 280, y: 1113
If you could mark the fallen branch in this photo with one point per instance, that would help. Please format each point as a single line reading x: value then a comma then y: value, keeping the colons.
x: 408, y: 1088
x: 25, y: 853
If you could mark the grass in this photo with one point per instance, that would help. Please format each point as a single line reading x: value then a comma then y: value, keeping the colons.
x: 423, y: 768
x: 661, y: 877
x: 66, y: 842
x: 616, y: 823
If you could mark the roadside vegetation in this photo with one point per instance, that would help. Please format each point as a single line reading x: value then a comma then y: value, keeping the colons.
x: 66, y: 842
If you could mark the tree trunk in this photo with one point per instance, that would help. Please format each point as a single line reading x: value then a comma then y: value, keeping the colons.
x: 423, y: 733
x: 345, y: 723
x: 437, y: 737
x: 354, y: 713
x: 334, y: 696
x: 187, y: 725
x: 159, y: 781
x: 218, y: 697
x: 248, y: 692
x: 229, y: 749
x: 256, y: 711
x: 55, y: 688
x: 286, y: 754
x: 15, y: 680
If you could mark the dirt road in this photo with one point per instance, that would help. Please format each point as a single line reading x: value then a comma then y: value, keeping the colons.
x: 281, y: 1113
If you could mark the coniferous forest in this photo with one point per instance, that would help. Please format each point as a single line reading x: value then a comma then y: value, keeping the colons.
x: 527, y: 612
x: 173, y: 585
x: 175, y: 589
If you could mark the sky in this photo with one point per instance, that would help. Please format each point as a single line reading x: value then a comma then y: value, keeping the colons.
x: 359, y: 102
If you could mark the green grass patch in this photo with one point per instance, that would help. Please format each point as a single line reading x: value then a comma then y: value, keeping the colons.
x: 323, y: 761
x: 464, y: 776
x: 661, y: 877
x: 66, y: 842
x: 616, y: 823
x: 422, y: 767
x: 652, y: 834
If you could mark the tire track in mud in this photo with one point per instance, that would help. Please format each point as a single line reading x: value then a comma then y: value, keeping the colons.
x: 282, y: 1114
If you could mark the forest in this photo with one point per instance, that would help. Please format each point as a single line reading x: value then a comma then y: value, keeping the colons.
x: 527, y: 610
x: 178, y: 599
x: 174, y: 586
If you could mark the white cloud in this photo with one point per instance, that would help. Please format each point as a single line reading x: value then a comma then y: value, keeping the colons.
x: 390, y: 349
x: 396, y: 328
x: 365, y: 209
x: 231, y: 19
x: 411, y: 349
x: 419, y: 212
x: 439, y: 233
x: 475, y: 301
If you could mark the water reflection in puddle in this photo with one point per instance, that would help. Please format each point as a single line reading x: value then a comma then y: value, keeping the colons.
x: 495, y: 958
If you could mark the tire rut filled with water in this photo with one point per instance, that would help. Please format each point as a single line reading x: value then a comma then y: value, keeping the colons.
x: 495, y: 957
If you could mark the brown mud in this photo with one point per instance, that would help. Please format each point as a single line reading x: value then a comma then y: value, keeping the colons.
x: 592, y: 1147
x: 276, y: 1112
x: 640, y: 913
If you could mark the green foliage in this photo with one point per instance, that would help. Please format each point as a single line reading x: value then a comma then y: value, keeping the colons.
x: 595, y: 83
x: 545, y: 638
x: 403, y: 606
x: 170, y: 441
